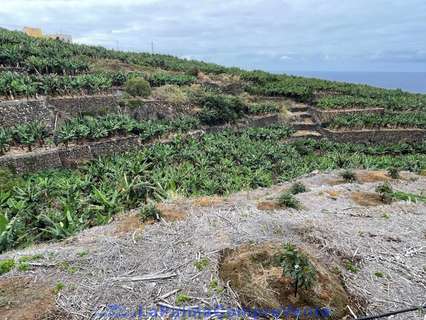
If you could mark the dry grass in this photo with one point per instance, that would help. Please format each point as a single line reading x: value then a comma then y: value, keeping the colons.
x: 333, y: 194
x: 128, y: 223
x: 171, y: 93
x: 267, y: 205
x: 171, y: 212
x: 372, y: 176
x: 367, y: 199
x: 112, y: 65
x: 207, y: 201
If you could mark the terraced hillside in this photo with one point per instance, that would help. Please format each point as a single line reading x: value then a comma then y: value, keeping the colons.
x: 88, y: 134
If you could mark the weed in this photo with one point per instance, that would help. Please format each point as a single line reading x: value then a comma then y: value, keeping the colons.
x: 182, y: 298
x: 297, y: 266
x: 349, y: 176
x: 214, y: 285
x: 350, y: 266
x: 82, y: 253
x: 386, y: 192
x: 379, y: 274
x: 34, y: 257
x: 201, y: 264
x: 393, y: 172
x: 297, y: 188
x: 66, y: 266
x: 23, y: 266
x: 6, y: 265
x: 171, y: 93
x: 287, y: 200
x: 58, y: 287
x: 149, y: 211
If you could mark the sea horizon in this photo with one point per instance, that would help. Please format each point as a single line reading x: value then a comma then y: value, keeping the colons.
x: 411, y: 81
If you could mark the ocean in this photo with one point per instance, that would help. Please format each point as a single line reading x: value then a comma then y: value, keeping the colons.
x: 407, y: 81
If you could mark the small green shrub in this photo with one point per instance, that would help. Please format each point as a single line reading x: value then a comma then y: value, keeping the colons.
x: 220, y: 109
x: 182, y: 298
x: 201, y: 264
x: 297, y: 188
x: 58, y: 287
x: 138, y: 87
x: 393, y: 172
x: 350, y: 266
x: 349, y: 176
x: 386, y: 192
x: 379, y: 274
x: 297, y: 266
x: 287, y: 200
x: 214, y: 285
x: 23, y: 266
x: 193, y: 71
x: 6, y: 265
x: 149, y: 211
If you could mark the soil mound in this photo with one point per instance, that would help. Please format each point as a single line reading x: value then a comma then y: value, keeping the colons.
x: 255, y: 274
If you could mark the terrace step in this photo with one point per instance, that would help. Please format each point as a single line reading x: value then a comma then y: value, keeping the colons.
x: 299, y: 108
x: 301, y: 115
x: 304, y: 134
x: 306, y: 125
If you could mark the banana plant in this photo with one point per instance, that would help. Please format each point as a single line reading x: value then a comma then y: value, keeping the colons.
x: 5, y: 140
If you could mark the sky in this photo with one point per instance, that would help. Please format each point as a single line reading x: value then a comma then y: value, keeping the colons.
x: 274, y: 35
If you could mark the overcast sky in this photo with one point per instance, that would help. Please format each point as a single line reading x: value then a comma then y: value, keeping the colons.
x: 276, y: 35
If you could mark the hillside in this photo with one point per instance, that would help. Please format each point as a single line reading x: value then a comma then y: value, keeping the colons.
x: 92, y: 137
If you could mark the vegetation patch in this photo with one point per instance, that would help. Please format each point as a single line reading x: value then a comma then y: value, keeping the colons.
x: 388, y: 195
x: 288, y: 200
x: 138, y: 87
x: 56, y: 204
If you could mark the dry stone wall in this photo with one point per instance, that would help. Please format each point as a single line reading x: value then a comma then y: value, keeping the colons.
x: 68, y: 157
x: 53, y: 111
x: 384, y: 136
x: 325, y: 116
x: 24, y: 111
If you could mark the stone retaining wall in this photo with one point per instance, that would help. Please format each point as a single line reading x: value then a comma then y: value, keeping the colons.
x: 68, y: 157
x: 84, y: 105
x: 17, y: 112
x: 154, y: 109
x: 384, y: 136
x: 325, y: 116
x: 53, y: 111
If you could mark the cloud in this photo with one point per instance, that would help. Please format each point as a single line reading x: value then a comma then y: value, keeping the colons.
x: 271, y: 34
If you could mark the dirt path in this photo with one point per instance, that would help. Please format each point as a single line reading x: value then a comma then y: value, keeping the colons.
x: 378, y: 250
